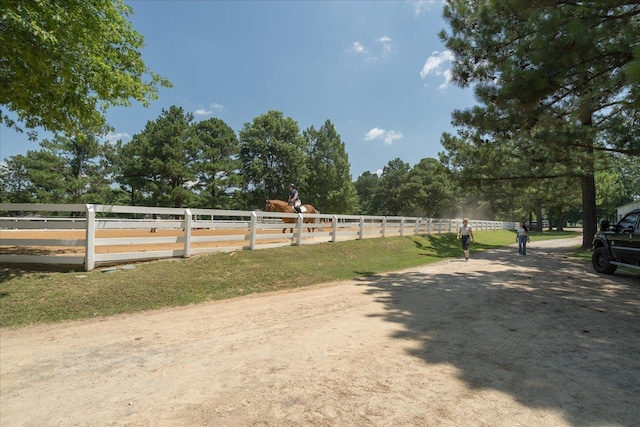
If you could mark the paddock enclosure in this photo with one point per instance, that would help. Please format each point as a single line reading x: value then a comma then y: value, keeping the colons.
x: 90, y: 236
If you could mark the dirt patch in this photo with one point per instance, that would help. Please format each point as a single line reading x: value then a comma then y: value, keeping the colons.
x: 499, y: 340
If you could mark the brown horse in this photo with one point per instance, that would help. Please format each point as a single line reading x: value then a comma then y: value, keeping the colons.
x: 282, y: 206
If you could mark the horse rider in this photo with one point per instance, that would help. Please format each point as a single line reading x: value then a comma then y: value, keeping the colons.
x: 294, y: 198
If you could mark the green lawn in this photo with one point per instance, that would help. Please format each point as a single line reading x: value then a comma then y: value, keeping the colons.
x: 45, y: 297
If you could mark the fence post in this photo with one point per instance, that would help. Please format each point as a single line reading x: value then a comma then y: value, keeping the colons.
x: 384, y: 226
x: 90, y: 239
x: 253, y: 230
x: 361, y: 232
x: 429, y: 225
x: 334, y: 228
x: 187, y: 233
x: 299, y: 225
x: 402, y: 226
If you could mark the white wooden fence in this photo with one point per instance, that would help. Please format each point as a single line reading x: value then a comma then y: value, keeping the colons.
x: 88, y: 236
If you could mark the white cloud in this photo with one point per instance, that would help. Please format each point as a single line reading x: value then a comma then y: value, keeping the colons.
x: 438, y: 64
x: 112, y: 138
x: 386, y: 48
x: 374, y: 133
x: 392, y: 136
x: 387, y: 137
x: 386, y: 44
x: 447, y: 79
x: 358, y: 48
x: 204, y: 112
x: 423, y: 5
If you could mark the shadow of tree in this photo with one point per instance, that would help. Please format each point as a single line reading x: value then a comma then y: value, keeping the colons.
x: 550, y: 333
x: 8, y: 273
x: 446, y: 246
x: 442, y: 245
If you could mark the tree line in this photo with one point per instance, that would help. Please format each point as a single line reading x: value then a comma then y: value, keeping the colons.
x: 176, y: 161
x: 557, y: 84
x: 555, y: 133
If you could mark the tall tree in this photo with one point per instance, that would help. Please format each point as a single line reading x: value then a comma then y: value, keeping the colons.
x: 618, y: 183
x: 630, y: 176
x: 391, y: 199
x: 44, y: 176
x: 15, y: 186
x: 329, y: 187
x: 87, y: 176
x: 567, y: 62
x: 160, y: 161
x: 126, y: 161
x: 64, y: 170
x: 217, y: 164
x: 430, y: 190
x: 367, y: 186
x: 63, y: 63
x: 272, y: 152
x: 488, y: 153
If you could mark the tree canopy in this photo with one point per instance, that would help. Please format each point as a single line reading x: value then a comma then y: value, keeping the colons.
x: 176, y: 161
x: 329, y: 182
x: 272, y: 152
x: 63, y: 63
x: 556, y: 80
x: 160, y: 162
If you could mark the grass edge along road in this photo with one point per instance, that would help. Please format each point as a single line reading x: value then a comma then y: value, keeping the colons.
x: 30, y: 297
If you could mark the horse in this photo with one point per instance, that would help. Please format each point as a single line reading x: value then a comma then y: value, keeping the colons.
x: 275, y: 205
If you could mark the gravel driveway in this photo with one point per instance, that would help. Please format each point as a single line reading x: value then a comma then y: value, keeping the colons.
x: 500, y: 340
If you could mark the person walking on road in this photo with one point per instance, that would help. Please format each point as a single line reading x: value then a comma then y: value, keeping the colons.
x: 465, y: 234
x: 522, y: 238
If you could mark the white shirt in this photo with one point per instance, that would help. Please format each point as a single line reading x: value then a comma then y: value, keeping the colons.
x: 465, y: 230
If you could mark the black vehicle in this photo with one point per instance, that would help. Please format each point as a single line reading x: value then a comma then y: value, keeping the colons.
x: 617, y: 245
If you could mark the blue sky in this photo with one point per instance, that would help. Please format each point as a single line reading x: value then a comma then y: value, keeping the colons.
x: 376, y: 69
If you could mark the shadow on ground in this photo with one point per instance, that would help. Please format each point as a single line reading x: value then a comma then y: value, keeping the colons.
x: 551, y: 333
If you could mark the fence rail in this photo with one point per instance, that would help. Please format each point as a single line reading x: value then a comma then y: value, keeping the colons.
x: 90, y: 236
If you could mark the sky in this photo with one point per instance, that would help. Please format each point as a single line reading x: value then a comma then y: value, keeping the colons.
x: 376, y: 69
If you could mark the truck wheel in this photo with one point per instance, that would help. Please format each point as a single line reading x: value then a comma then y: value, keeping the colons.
x: 602, y: 262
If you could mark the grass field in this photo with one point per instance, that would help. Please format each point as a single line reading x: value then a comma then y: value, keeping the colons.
x: 28, y: 297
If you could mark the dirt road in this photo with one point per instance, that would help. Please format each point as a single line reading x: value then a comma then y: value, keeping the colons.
x: 501, y: 340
